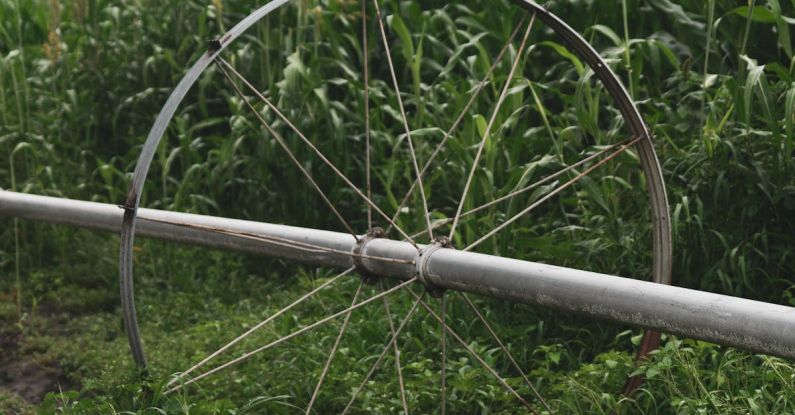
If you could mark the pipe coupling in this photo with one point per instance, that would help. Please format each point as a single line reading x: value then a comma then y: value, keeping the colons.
x: 421, y: 262
x: 358, y: 254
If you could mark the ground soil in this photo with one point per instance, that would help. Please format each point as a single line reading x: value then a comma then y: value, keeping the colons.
x: 26, y: 374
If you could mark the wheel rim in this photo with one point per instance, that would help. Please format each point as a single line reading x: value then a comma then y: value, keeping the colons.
x: 661, y: 233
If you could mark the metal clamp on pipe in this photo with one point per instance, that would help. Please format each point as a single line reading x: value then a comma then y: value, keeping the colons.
x: 421, y: 261
x: 367, y: 277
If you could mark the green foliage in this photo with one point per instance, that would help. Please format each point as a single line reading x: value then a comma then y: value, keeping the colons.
x: 80, y: 84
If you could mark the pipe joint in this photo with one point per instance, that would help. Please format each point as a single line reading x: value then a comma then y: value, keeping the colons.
x: 358, y: 250
x: 421, y: 262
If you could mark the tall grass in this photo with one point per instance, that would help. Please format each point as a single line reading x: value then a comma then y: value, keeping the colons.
x: 81, y: 81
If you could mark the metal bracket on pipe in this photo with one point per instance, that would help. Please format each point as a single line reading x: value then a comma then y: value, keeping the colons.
x: 421, y: 262
x: 358, y: 250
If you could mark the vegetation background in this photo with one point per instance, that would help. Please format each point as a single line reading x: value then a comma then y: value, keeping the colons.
x: 81, y: 82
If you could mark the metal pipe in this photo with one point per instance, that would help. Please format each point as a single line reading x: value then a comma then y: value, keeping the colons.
x: 752, y: 325
x: 157, y: 224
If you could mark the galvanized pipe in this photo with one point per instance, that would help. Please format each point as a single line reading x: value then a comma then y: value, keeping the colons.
x: 751, y: 325
x: 152, y: 224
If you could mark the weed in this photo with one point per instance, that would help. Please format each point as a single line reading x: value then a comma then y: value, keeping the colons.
x: 80, y: 83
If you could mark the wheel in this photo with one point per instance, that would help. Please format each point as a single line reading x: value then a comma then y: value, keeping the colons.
x: 501, y: 117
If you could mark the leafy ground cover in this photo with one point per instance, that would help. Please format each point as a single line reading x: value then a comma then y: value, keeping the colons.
x: 81, y: 80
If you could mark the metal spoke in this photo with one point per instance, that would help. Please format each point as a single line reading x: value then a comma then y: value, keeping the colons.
x: 504, y: 349
x: 275, y: 240
x: 313, y: 148
x: 490, y: 125
x: 552, y: 193
x: 366, y: 58
x: 405, y: 119
x: 397, y: 353
x: 381, y: 356
x: 261, y: 324
x: 545, y: 179
x: 293, y: 334
x: 472, y: 352
x: 333, y: 351
x: 457, y: 122
x: 284, y: 146
x: 529, y: 187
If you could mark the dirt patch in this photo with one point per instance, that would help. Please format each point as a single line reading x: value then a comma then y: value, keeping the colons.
x: 10, y: 336
x: 29, y: 380
x: 26, y: 376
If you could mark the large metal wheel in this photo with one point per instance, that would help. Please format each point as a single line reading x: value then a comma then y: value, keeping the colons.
x: 631, y: 136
